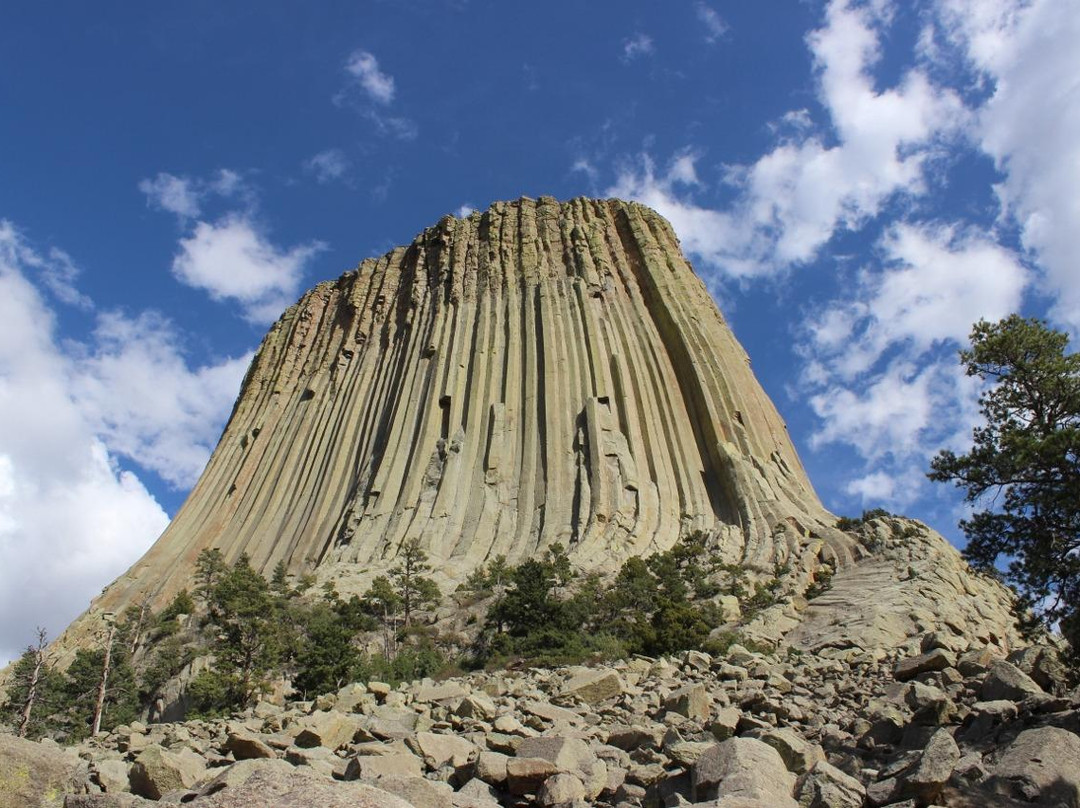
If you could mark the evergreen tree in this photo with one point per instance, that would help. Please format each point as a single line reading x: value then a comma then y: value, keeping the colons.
x: 413, y: 587
x: 1023, y: 470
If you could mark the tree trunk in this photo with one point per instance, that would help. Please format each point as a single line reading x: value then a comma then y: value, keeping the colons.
x: 31, y: 693
x: 99, y: 708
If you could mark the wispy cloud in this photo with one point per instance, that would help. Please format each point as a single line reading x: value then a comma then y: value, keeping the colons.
x: 364, y: 67
x: 327, y: 166
x: 713, y: 24
x: 372, y: 92
x: 637, y: 46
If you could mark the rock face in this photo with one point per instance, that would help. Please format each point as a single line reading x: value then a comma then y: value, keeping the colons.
x: 537, y: 373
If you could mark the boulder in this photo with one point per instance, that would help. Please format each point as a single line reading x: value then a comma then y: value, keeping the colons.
x: 1006, y: 681
x: 276, y: 784
x: 691, y: 701
x: 37, y: 774
x: 525, y: 775
x: 745, y: 768
x: 248, y: 746
x: 157, y: 771
x: 593, y: 685
x: 330, y: 729
x: 369, y: 767
x: 798, y: 754
x: 560, y: 789
x: 826, y: 786
x: 935, y: 660
x: 1042, y: 766
x: 934, y: 768
x: 441, y: 750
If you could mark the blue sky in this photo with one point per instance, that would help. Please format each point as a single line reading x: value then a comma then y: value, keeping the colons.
x: 857, y: 182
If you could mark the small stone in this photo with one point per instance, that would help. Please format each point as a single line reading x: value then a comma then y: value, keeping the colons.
x: 527, y: 775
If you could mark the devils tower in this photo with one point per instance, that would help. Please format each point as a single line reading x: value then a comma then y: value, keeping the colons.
x: 536, y: 373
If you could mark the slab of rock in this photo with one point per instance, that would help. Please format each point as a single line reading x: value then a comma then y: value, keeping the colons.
x: 594, y: 685
x: 561, y: 789
x: 369, y: 767
x: 1042, y: 766
x: 477, y: 705
x: 691, y: 701
x: 276, y: 784
x: 28, y: 770
x: 1006, y: 681
x: 156, y: 771
x: 935, y: 660
x: 526, y: 775
x: 417, y: 791
x: 826, y: 786
x: 440, y: 750
x: 248, y: 746
x: 744, y: 768
x: 799, y: 755
x: 330, y: 729
x: 491, y: 767
x: 927, y: 780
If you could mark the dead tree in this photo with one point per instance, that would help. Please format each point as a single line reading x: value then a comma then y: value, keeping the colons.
x: 99, y: 707
x: 35, y: 677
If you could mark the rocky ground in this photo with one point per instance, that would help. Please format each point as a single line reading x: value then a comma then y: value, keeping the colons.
x: 951, y: 726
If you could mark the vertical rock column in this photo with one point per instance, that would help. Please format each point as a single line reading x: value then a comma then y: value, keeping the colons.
x: 536, y: 373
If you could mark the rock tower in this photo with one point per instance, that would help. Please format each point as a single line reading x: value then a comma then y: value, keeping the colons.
x: 540, y: 372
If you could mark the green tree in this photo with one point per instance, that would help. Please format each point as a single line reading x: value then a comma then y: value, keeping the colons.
x: 249, y: 634
x: 414, y: 588
x: 1023, y: 470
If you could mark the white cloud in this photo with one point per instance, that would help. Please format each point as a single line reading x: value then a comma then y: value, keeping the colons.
x: 327, y: 166
x: 232, y: 259
x: 364, y: 67
x: 184, y: 196
x: 70, y: 519
x: 1030, y: 124
x: 177, y: 195
x: 136, y: 389
x: 714, y: 24
x: 938, y: 280
x: 881, y: 372
x: 465, y: 210
x: 637, y: 46
x: 377, y: 90
x: 793, y: 199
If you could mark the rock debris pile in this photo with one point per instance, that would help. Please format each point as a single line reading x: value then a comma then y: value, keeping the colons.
x: 950, y: 726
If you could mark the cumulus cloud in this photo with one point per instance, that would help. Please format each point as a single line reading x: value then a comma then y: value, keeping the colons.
x: 1030, y: 124
x: 791, y: 201
x: 71, y: 518
x: 881, y: 371
x: 936, y: 281
x: 327, y: 166
x: 636, y: 46
x: 232, y: 259
x: 364, y: 67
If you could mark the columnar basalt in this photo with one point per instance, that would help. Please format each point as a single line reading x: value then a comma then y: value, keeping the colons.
x: 536, y: 373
